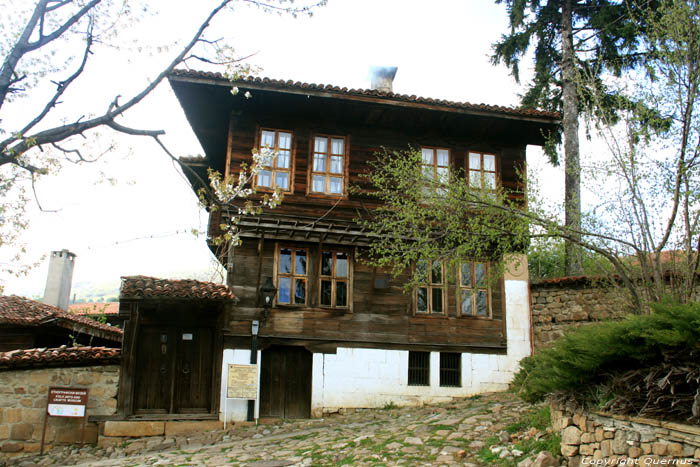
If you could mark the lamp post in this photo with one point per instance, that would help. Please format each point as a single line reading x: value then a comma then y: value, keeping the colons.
x: 267, y: 294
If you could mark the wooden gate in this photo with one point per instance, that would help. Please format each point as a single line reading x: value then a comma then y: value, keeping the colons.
x: 285, y: 382
x: 174, y: 370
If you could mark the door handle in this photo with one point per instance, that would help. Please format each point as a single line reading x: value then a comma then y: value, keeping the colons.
x: 163, y: 369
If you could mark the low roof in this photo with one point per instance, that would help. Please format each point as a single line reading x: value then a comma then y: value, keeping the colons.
x: 21, y: 311
x: 60, y: 356
x: 144, y: 287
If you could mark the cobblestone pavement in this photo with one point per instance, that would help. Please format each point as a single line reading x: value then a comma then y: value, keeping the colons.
x: 446, y: 434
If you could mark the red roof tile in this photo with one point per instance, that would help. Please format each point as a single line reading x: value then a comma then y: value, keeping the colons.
x: 59, y: 356
x: 26, y: 312
x: 94, y: 308
x: 151, y: 287
x: 388, y: 96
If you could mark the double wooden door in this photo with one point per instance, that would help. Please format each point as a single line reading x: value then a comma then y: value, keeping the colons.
x: 174, y: 370
x: 285, y: 382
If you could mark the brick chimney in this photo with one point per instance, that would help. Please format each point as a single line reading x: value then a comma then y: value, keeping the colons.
x: 382, y: 78
x: 60, y: 278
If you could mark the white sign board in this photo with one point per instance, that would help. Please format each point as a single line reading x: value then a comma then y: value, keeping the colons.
x: 242, y: 382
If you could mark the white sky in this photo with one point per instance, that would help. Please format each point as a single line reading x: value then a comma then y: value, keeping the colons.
x: 141, y: 224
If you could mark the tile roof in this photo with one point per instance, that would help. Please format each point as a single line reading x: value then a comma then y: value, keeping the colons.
x: 60, y: 356
x: 23, y: 311
x: 388, y: 96
x: 93, y: 308
x: 151, y: 287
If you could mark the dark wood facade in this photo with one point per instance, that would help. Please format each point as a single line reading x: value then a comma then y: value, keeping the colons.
x: 380, y: 313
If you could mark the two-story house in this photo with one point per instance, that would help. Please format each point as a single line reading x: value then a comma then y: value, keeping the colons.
x: 340, y: 333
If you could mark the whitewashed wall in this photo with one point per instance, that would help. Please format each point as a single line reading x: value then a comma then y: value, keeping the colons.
x: 236, y: 409
x: 356, y: 377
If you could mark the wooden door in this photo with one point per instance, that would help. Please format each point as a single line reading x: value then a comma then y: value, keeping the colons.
x: 154, y: 370
x: 194, y: 370
x: 285, y: 382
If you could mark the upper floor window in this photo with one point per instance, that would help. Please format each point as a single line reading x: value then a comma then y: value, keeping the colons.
x: 474, y: 291
x: 436, y: 164
x: 276, y: 171
x: 292, y: 275
x: 328, y: 166
x: 482, y: 170
x: 430, y: 295
x: 334, y: 277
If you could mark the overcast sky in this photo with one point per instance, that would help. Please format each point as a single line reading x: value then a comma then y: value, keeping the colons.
x: 141, y: 223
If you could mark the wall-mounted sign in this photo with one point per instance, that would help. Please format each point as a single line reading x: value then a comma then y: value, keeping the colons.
x: 242, y: 382
x: 186, y: 336
x: 66, y: 402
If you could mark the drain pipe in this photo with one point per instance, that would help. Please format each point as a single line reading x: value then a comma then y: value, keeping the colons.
x: 255, y: 326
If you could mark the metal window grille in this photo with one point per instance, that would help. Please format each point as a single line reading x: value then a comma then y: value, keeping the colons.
x: 418, y: 368
x: 450, y: 369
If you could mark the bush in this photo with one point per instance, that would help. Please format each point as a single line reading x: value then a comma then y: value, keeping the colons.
x: 577, y: 361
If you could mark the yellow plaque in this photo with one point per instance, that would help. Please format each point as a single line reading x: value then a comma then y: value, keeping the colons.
x: 242, y: 382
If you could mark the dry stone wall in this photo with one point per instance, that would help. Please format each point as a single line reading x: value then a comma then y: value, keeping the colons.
x: 23, y: 398
x: 561, y: 304
x: 591, y: 438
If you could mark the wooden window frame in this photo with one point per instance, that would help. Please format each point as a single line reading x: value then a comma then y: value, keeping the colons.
x: 448, y: 375
x: 430, y: 286
x: 348, y: 279
x: 274, y: 169
x: 419, y: 375
x: 278, y: 275
x: 468, y: 169
x: 327, y: 174
x: 473, y: 287
x: 435, y: 165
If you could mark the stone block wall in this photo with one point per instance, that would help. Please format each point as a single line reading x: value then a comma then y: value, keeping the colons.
x: 23, y: 398
x: 561, y: 304
x: 593, y: 438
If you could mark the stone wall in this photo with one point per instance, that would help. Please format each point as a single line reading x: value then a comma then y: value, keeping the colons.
x: 23, y: 398
x: 593, y: 438
x: 560, y: 304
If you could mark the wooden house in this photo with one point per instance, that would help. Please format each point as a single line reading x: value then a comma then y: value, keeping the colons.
x: 340, y: 333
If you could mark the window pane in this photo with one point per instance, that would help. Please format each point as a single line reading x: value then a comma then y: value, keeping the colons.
x: 319, y: 184
x: 285, y: 290
x: 479, y: 273
x: 336, y: 164
x: 264, y: 178
x: 268, y: 139
x: 326, y: 263
x: 300, y: 263
x: 341, y: 265
x: 437, y: 300
x: 341, y: 294
x: 337, y: 146
x: 284, y: 141
x: 467, y: 274
x: 427, y: 155
x: 286, y: 261
x: 474, y: 161
x: 336, y: 185
x: 442, y: 157
x: 422, y: 267
x: 282, y: 180
x: 466, y: 302
x: 422, y: 297
x: 319, y: 162
x: 481, y: 303
x: 489, y: 180
x: 436, y: 276
x: 282, y: 159
x: 474, y: 179
x: 429, y: 172
x: 299, y: 291
x: 490, y: 162
x: 442, y: 174
x: 321, y: 144
x: 326, y: 287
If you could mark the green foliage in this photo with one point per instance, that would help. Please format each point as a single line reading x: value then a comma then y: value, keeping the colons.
x: 575, y: 362
x: 546, y: 260
x: 539, y: 418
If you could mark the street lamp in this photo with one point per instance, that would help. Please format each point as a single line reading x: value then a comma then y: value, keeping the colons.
x: 267, y: 294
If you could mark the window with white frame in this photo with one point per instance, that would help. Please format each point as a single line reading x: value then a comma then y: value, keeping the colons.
x: 475, y: 295
x: 328, y: 165
x: 276, y: 170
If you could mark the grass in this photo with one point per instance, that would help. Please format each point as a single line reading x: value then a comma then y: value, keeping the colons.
x: 537, y: 418
x: 390, y: 405
x: 303, y: 437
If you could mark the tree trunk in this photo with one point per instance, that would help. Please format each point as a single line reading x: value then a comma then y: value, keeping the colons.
x: 572, y: 165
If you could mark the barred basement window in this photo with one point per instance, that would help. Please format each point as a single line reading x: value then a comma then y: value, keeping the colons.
x: 450, y: 369
x: 418, y: 368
